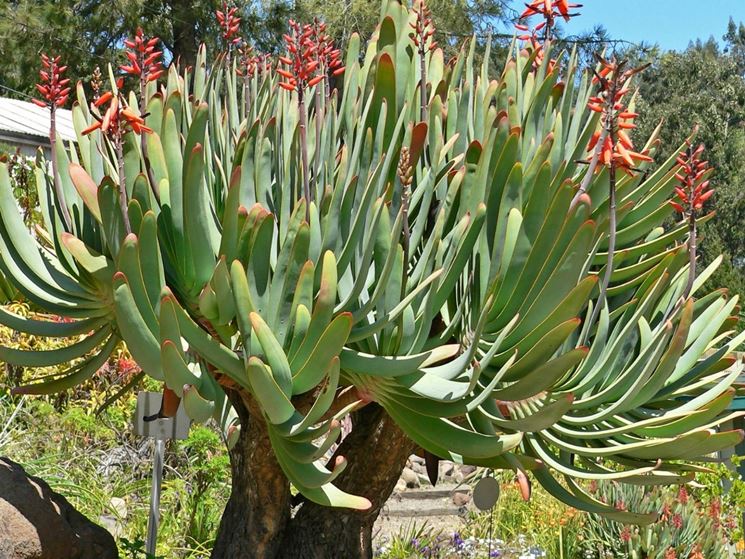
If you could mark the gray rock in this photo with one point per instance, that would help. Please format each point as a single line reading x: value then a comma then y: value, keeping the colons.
x: 411, y: 478
x: 37, y: 523
x: 119, y: 506
x: 416, y: 459
x: 461, y: 499
x: 447, y: 469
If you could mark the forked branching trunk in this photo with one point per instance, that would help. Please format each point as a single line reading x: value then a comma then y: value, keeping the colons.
x: 264, y: 521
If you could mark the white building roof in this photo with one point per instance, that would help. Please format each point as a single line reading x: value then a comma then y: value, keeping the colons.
x: 29, y: 123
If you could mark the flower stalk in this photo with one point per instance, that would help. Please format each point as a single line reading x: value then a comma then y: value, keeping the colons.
x: 303, y: 67
x: 692, y: 193
x: 55, y: 90
x: 423, y: 31
x: 611, y: 146
x: 144, y: 63
x: 116, y: 121
x: 247, y: 70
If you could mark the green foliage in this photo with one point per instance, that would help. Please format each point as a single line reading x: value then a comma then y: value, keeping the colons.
x: 277, y: 249
x: 92, y: 459
x: 724, y: 485
x: 89, y: 32
x: 541, y: 522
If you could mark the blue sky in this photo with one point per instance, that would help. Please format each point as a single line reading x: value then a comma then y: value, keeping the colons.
x: 671, y: 23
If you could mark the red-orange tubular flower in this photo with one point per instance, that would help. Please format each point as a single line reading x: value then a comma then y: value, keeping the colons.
x: 250, y: 64
x: 616, y: 119
x: 693, y: 189
x: 531, y: 36
x: 301, y: 65
x: 423, y: 28
x: 144, y: 59
x: 328, y: 56
x: 550, y: 10
x: 229, y: 24
x: 117, y: 118
x: 53, y: 88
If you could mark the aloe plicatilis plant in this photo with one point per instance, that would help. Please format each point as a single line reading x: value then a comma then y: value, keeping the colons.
x: 435, y: 276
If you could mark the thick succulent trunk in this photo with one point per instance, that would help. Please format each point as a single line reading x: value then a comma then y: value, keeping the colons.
x: 257, y: 521
x: 259, y: 504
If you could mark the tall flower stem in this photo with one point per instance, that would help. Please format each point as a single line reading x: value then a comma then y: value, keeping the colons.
x: 320, y: 117
x: 692, y: 193
x: 118, y: 146
x: 55, y: 168
x: 692, y: 247
x: 610, y: 123
x: 304, y: 151
x: 421, y: 29
x: 247, y: 95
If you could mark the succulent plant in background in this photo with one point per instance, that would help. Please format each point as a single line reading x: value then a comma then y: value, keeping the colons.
x: 685, y: 529
x: 419, y: 250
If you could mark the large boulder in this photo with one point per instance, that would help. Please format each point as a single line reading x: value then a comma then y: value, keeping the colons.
x: 37, y: 523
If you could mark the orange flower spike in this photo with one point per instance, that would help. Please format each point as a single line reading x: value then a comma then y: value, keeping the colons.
x: 229, y: 23
x: 53, y: 87
x: 143, y: 57
x: 692, y: 190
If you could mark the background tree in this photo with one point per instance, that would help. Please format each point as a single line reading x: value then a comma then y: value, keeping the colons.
x: 90, y: 32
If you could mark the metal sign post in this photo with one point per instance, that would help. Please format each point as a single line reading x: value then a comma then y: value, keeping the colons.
x: 154, y: 516
x: 160, y: 429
